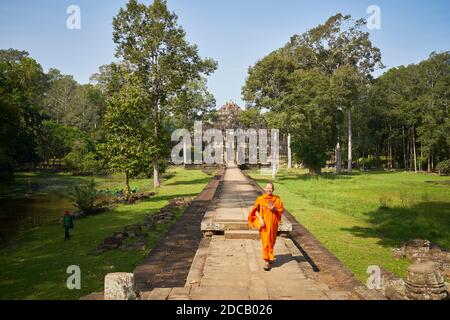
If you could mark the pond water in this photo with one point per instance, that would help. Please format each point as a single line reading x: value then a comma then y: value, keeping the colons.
x: 21, y: 214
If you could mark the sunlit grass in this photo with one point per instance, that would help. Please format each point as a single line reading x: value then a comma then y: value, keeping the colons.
x: 361, y: 217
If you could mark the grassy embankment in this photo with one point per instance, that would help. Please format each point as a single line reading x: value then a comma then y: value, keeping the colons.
x: 361, y: 217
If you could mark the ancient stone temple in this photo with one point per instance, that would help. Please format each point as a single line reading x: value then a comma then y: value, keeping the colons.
x: 227, y: 116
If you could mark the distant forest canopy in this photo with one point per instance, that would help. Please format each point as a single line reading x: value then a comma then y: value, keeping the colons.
x: 48, y: 117
x: 318, y: 88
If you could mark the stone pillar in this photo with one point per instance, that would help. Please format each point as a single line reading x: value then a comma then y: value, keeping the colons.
x: 425, y: 282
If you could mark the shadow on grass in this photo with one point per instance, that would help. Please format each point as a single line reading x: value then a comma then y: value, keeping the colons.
x: 167, y: 197
x: 292, y: 176
x: 393, y: 226
x: 325, y: 176
x: 168, y: 176
x: 301, y: 177
x: 188, y: 182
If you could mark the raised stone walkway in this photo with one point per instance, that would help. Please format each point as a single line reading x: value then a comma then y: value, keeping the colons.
x: 228, y: 261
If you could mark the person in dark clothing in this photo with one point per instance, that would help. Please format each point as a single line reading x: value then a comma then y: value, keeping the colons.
x: 67, y: 225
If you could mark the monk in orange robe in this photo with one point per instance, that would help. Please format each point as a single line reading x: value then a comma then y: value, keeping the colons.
x: 266, y: 216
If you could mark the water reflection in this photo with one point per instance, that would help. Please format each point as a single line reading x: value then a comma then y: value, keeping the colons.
x: 18, y: 215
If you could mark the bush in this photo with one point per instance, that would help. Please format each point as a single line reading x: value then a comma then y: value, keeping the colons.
x: 85, y: 197
x: 443, y: 167
x: 91, y: 165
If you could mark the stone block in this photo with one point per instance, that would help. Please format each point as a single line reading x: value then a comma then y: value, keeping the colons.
x: 156, y: 294
x: 119, y: 286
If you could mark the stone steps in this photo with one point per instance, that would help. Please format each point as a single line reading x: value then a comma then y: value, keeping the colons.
x: 235, y: 225
x: 242, y: 234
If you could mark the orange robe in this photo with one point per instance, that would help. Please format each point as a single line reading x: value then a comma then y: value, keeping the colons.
x: 271, y: 220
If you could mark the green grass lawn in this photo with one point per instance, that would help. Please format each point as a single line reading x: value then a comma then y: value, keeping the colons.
x: 361, y: 217
x: 35, y: 266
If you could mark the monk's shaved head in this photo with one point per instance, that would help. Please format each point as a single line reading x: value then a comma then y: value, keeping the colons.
x: 271, y: 185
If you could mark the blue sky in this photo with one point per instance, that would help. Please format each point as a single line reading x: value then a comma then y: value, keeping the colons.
x: 236, y: 33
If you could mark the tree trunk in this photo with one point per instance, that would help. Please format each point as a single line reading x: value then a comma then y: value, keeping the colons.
x: 349, y: 166
x: 156, y: 182
x: 409, y: 150
x: 404, y: 147
x: 338, y: 158
x: 432, y: 162
x: 338, y: 151
x: 414, y: 149
x: 429, y: 164
x: 127, y: 184
x: 421, y: 157
x: 390, y: 148
x: 315, y: 170
x: 289, y: 152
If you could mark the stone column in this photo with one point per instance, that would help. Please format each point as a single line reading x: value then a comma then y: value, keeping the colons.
x: 425, y: 282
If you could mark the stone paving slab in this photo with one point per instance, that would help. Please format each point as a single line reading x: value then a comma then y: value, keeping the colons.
x: 233, y: 270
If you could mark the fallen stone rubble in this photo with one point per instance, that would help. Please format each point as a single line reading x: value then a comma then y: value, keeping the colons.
x: 425, y: 276
x: 134, y: 237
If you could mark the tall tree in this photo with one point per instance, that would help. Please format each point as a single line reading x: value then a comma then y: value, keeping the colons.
x: 72, y: 104
x: 192, y: 102
x: 313, y: 120
x: 127, y: 130
x: 347, y: 84
x: 151, y: 41
x: 339, y: 42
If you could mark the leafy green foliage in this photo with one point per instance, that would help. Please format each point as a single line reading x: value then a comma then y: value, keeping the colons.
x: 72, y: 104
x: 443, y: 167
x: 333, y: 62
x: 409, y: 105
x: 85, y: 196
x: 313, y: 120
x: 57, y: 140
x: 82, y: 161
x: 22, y: 88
